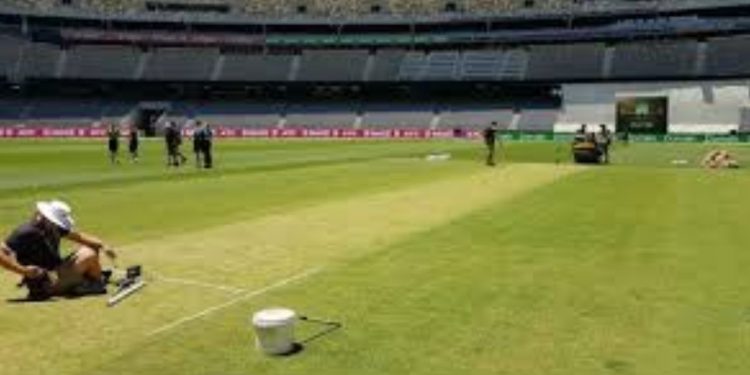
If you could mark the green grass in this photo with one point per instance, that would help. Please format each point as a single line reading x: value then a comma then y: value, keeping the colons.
x: 434, y: 268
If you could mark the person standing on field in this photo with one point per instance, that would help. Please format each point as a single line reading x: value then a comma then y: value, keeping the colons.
x: 113, y: 136
x: 490, y: 141
x: 208, y: 137
x: 604, y: 140
x: 198, y: 144
x: 133, y: 144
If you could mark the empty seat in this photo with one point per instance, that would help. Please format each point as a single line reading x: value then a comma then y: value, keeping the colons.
x: 386, y: 65
x: 320, y: 116
x: 475, y: 117
x: 39, y: 60
x: 101, y: 62
x: 336, y: 65
x: 728, y: 56
x: 397, y: 115
x: 242, y: 67
x: 181, y: 64
x: 566, y: 62
x: 651, y: 60
x: 538, y: 120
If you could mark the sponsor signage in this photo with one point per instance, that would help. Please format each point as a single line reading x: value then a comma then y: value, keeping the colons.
x: 222, y: 132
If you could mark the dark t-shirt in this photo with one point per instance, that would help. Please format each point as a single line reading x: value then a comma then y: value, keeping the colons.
x: 113, y: 135
x: 490, y: 135
x: 33, y: 246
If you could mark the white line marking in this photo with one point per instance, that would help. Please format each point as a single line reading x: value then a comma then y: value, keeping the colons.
x: 174, y: 280
x: 244, y: 297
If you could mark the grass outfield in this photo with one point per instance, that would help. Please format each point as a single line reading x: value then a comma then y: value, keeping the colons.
x: 531, y: 268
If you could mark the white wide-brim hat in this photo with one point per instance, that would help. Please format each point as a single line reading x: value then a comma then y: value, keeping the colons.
x: 57, y: 212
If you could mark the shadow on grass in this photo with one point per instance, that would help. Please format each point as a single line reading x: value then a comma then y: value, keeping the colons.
x: 299, y: 346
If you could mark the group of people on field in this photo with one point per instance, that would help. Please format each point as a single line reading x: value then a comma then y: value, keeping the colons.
x: 113, y: 143
x: 202, y: 144
x: 595, y: 144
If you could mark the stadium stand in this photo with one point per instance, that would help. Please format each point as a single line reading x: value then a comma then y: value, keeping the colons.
x: 728, y: 56
x: 538, y: 119
x: 11, y: 111
x: 441, y: 66
x: 117, y: 112
x: 386, y: 65
x: 662, y: 59
x: 333, y: 65
x: 320, y: 116
x: 397, y: 115
x: 63, y: 112
x: 243, y: 67
x: 481, y: 65
x: 239, y: 114
x: 412, y: 66
x: 332, y: 8
x: 475, y: 65
x: 39, y: 60
x: 101, y: 62
x: 9, y: 51
x: 181, y: 64
x: 514, y: 65
x: 565, y: 62
x: 475, y: 117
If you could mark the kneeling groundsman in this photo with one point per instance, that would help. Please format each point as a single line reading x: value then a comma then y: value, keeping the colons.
x: 33, y: 252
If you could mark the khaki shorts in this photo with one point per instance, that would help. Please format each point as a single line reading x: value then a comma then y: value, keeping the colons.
x: 65, y: 278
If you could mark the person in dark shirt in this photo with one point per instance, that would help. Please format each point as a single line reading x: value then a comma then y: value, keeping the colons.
x: 490, y: 140
x: 208, y: 137
x: 133, y: 144
x: 113, y: 134
x: 172, y: 143
x: 580, y: 135
x: 198, y: 143
x: 33, y: 252
x: 603, y: 141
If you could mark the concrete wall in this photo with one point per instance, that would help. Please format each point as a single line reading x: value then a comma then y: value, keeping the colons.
x: 694, y: 107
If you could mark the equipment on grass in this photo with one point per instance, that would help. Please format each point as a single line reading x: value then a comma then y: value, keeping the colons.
x: 274, y: 330
x: 129, y: 285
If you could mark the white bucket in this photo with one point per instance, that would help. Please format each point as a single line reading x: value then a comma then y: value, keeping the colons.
x: 274, y: 330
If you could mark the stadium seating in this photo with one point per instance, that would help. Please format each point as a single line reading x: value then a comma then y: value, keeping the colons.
x: 9, y: 52
x: 663, y: 59
x: 565, y: 62
x: 238, y: 114
x: 538, y: 119
x: 333, y: 8
x: 101, y: 62
x: 116, y: 112
x: 728, y: 56
x: 62, y: 112
x: 242, y: 67
x: 471, y: 65
x: 181, y: 64
x: 397, y: 115
x: 386, y: 65
x: 320, y: 116
x: 39, y: 60
x: 475, y: 117
x: 481, y: 65
x: 333, y: 65
x: 11, y: 111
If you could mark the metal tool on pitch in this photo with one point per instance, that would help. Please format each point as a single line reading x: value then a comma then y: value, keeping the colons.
x: 129, y: 285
